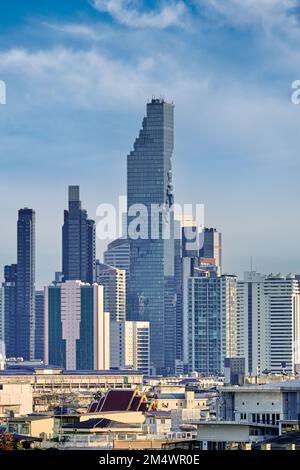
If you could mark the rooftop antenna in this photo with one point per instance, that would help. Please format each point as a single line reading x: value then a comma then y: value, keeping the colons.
x: 251, y: 263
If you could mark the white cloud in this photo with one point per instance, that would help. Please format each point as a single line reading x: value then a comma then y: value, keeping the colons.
x: 83, y: 31
x: 124, y: 12
x: 266, y: 13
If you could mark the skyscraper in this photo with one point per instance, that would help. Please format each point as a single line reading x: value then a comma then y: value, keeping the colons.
x: 10, y: 309
x: 151, y: 292
x: 117, y: 254
x: 76, y: 327
x: 39, y: 325
x: 25, y: 313
x: 212, y: 322
x: 211, y: 241
x: 78, y: 233
x: 2, y: 339
x: 269, y: 323
x: 114, y: 282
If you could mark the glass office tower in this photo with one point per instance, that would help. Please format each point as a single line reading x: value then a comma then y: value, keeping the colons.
x: 25, y: 313
x: 151, y: 295
x: 79, y: 242
x: 39, y: 324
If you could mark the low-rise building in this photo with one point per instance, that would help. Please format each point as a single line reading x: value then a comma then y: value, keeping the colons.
x: 176, y: 401
x: 15, y: 398
x: 33, y: 426
x: 50, y: 384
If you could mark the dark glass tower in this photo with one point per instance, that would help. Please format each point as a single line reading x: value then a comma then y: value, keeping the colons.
x: 10, y: 306
x: 25, y: 313
x: 78, y: 233
x: 39, y: 324
x: 151, y: 295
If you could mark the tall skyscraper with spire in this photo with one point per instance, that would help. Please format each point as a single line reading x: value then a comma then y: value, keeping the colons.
x: 151, y: 295
x: 25, y: 286
x: 78, y: 237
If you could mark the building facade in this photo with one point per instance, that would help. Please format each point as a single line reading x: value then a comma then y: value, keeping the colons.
x: 114, y: 282
x: 39, y: 325
x: 151, y: 290
x: 117, y: 254
x: 130, y: 346
x: 268, y: 323
x: 77, y: 330
x: 2, y: 338
x: 9, y: 287
x: 25, y: 285
x: 211, y: 246
x: 79, y: 243
x: 212, y: 318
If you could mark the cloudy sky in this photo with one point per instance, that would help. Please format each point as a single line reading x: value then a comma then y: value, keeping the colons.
x: 78, y: 76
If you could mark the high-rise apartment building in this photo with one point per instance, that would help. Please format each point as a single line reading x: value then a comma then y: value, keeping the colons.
x: 269, y: 323
x: 25, y: 286
x: 151, y: 290
x: 2, y: 339
x: 77, y: 330
x: 79, y: 245
x: 212, y: 320
x: 130, y: 346
x: 10, y: 309
x: 114, y: 282
x: 39, y: 325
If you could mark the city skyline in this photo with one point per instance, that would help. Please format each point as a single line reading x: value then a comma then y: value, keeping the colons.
x: 76, y: 89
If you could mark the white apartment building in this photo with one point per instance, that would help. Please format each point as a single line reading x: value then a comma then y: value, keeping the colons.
x: 130, y: 345
x: 77, y: 329
x: 269, y: 323
x: 114, y: 283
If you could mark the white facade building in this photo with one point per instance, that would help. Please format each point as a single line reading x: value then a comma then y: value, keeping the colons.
x: 114, y: 283
x: 77, y: 329
x: 269, y: 323
x: 130, y: 345
x: 16, y: 398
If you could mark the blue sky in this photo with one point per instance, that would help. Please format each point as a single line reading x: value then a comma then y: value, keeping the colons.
x: 78, y: 75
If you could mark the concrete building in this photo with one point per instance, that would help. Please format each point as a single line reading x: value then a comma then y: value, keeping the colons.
x: 15, y: 398
x: 212, y: 319
x: 114, y: 282
x: 41, y: 426
x: 77, y: 330
x: 263, y: 406
x: 130, y: 345
x: 188, y: 400
x: 57, y: 381
x: 10, y: 308
x: 269, y: 323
